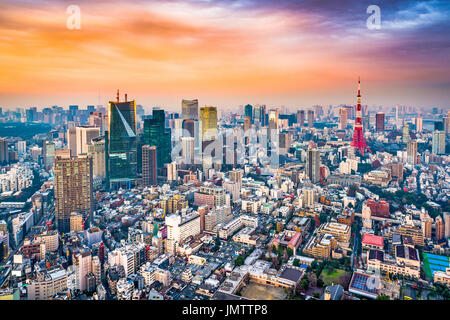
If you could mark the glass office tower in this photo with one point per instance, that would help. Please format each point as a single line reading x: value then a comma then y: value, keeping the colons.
x: 122, y: 144
x: 208, y: 122
x: 248, y: 112
x: 155, y: 134
x: 189, y: 109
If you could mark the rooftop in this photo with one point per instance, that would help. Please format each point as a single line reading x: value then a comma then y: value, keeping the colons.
x: 373, y: 240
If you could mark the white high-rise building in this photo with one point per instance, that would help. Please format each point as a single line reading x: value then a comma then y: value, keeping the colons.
x: 187, y: 150
x: 180, y: 228
x: 97, y: 270
x: 308, y: 197
x: 83, y: 266
x: 447, y: 224
x: 171, y: 171
x: 438, y: 142
x: 411, y: 152
x: 419, y: 124
x: 80, y: 137
x: 234, y: 188
x: 21, y: 147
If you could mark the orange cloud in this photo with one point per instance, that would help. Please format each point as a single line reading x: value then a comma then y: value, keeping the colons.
x: 176, y: 48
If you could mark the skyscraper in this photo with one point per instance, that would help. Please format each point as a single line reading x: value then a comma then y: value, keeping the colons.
x: 31, y: 114
x: 366, y: 123
x: 73, y: 187
x: 48, y: 153
x: 189, y: 109
x: 411, y: 152
x: 258, y: 115
x: 187, y: 150
x: 99, y: 120
x: 121, y: 142
x: 191, y: 129
x: 21, y: 147
x: 247, y: 123
x: 343, y: 117
x: 310, y: 118
x: 446, y: 121
x: 447, y: 224
x: 263, y: 115
x: 248, y: 112
x: 397, y: 171
x: 308, y: 197
x: 4, y: 151
x: 156, y: 134
x: 149, y: 165
x: 273, y: 119
x: 96, y: 149
x: 236, y: 176
x: 379, y: 122
x: 440, y: 230
x: 405, y: 133
x: 301, y: 117
x: 396, y: 113
x: 313, y: 165
x: 73, y: 112
x: 284, y: 142
x: 438, y: 142
x: 427, y: 224
x: 439, y: 125
x: 419, y: 124
x: 208, y: 122
x: 80, y: 137
x: 176, y: 129
x: 83, y: 267
x: 189, y: 126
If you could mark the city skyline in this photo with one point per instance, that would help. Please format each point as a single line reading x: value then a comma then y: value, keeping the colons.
x: 224, y: 53
x: 194, y: 151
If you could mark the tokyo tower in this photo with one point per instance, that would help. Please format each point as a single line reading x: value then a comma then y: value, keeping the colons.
x: 358, y: 137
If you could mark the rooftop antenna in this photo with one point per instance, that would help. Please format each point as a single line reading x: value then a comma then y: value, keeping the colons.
x: 117, y: 95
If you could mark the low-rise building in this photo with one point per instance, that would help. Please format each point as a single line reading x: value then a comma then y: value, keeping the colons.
x: 47, y: 283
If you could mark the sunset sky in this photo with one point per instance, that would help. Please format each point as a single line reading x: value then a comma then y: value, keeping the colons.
x: 225, y: 53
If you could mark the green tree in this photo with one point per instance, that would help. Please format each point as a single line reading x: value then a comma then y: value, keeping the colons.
x: 320, y: 283
x: 280, y: 250
x: 305, y: 284
x: 323, y: 217
x: 290, y: 252
x: 239, y: 261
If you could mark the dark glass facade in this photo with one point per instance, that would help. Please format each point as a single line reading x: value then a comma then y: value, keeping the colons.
x: 122, y: 142
x: 248, y: 110
x: 155, y: 134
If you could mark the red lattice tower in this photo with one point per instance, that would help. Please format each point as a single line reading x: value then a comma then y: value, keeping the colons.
x: 358, y: 136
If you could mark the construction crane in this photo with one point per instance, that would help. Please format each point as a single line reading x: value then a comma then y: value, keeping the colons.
x: 87, y: 216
